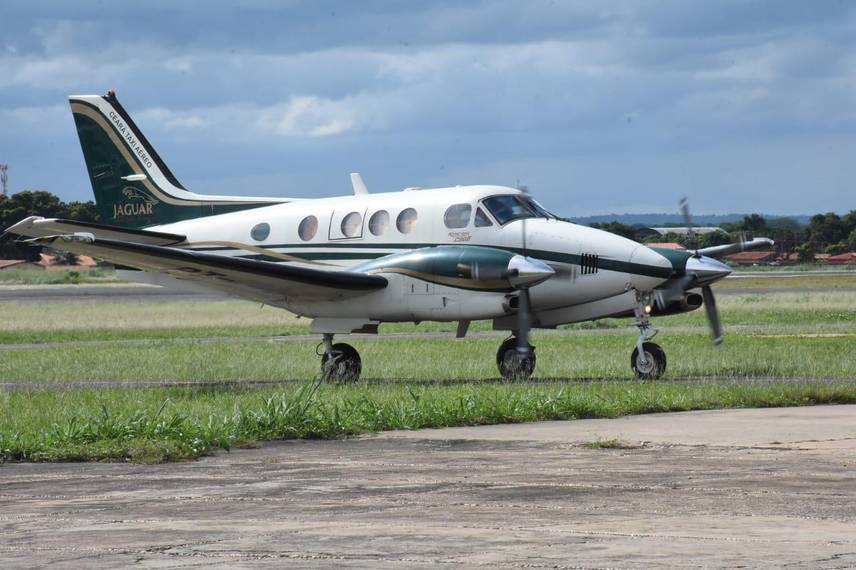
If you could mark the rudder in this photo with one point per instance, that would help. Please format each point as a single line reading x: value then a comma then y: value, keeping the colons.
x: 133, y: 186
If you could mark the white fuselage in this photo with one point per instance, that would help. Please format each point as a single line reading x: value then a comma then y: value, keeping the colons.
x: 349, y: 232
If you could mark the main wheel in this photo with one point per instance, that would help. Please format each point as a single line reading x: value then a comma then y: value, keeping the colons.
x: 345, y: 365
x: 653, y: 365
x: 513, y: 365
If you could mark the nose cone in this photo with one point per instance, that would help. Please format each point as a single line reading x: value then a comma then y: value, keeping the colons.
x: 707, y: 270
x: 525, y: 271
x: 648, y: 269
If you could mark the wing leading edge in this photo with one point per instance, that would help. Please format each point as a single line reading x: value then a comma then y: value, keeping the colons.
x: 262, y: 281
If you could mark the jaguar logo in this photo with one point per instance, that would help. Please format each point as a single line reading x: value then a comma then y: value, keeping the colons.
x: 138, y: 203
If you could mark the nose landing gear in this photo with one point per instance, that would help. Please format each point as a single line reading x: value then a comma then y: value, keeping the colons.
x: 648, y: 360
x: 513, y: 363
x: 340, y: 362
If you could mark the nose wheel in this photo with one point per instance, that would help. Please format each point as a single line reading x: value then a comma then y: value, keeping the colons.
x: 650, y: 363
x: 648, y: 360
x: 513, y: 363
x: 340, y: 362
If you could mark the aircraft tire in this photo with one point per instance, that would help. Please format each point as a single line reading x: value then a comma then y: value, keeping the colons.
x: 510, y: 363
x: 346, y: 366
x: 656, y: 365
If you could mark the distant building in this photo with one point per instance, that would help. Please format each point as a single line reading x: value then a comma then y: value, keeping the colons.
x: 666, y: 245
x: 7, y: 263
x: 795, y: 257
x: 84, y: 263
x: 686, y: 231
x: 752, y: 258
x: 842, y: 258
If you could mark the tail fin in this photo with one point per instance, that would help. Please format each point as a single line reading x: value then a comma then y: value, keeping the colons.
x: 133, y: 187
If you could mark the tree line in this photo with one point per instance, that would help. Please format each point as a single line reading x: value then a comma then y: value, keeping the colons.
x: 18, y: 206
x: 825, y: 233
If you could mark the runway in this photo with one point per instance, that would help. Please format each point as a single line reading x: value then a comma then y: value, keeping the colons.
x: 714, y: 489
x: 102, y: 293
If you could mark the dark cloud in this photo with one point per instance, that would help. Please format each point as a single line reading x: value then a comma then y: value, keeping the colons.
x: 668, y: 98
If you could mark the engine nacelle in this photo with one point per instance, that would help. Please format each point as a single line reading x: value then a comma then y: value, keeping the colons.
x: 688, y: 302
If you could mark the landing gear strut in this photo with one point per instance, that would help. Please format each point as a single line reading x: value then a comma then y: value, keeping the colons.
x: 340, y: 362
x: 648, y: 360
x: 513, y: 363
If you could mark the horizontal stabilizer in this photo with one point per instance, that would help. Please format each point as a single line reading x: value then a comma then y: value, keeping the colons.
x: 37, y: 227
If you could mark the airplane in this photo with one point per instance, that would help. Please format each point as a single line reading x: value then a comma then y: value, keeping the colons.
x: 351, y: 263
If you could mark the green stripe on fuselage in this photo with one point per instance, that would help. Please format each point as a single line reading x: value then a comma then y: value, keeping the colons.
x: 677, y: 258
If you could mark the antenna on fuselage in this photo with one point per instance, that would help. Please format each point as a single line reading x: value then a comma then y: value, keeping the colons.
x: 358, y: 184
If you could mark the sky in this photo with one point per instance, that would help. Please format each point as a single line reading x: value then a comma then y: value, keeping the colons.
x: 597, y: 107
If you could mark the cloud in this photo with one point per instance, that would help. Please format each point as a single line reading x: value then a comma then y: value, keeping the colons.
x: 447, y: 92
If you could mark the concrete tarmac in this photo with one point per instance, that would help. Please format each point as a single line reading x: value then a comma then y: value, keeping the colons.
x: 718, y: 489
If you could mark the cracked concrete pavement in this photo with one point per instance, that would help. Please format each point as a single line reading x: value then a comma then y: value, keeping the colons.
x: 752, y: 488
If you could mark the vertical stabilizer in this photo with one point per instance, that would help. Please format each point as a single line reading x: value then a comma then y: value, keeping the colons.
x: 132, y: 184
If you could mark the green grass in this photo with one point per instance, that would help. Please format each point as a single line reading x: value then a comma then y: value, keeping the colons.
x: 799, y: 267
x: 613, y: 443
x: 172, y: 424
x: 573, y: 356
x: 34, y: 276
x: 798, y: 282
x: 802, y: 341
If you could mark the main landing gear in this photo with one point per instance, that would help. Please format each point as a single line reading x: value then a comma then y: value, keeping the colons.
x: 648, y: 360
x: 340, y: 362
x: 513, y: 363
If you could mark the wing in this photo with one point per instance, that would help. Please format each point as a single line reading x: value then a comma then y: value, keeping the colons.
x: 262, y: 281
x: 36, y: 226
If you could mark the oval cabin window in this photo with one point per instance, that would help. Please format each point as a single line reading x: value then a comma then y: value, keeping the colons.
x: 457, y: 216
x: 308, y: 228
x: 351, y: 224
x: 260, y: 232
x: 379, y: 222
x: 406, y: 221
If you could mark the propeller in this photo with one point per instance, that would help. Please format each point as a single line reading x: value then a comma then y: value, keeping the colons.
x: 712, y: 314
x: 700, y: 271
x: 684, y: 206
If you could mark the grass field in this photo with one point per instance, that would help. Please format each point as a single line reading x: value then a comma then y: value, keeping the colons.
x: 171, y: 424
x: 790, y: 348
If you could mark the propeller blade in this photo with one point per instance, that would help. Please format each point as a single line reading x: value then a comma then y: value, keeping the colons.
x: 523, y: 322
x: 717, y: 251
x: 712, y: 314
x: 684, y: 206
x: 666, y: 295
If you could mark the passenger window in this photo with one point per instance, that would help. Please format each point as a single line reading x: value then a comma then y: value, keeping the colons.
x: 351, y: 224
x: 379, y: 222
x: 406, y: 220
x: 308, y: 228
x: 482, y: 221
x: 260, y: 232
x: 457, y: 216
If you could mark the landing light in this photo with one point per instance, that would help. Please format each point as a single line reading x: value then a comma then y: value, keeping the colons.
x: 648, y: 309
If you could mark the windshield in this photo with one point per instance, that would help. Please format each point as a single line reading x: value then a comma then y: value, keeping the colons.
x: 514, y: 207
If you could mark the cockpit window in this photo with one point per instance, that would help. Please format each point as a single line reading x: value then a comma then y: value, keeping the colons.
x: 481, y: 220
x: 514, y: 207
